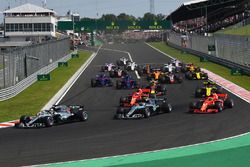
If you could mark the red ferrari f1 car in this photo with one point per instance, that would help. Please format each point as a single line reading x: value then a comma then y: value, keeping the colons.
x: 213, y: 104
x: 141, y: 95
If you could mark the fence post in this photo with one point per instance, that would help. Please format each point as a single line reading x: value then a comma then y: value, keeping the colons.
x: 4, y: 70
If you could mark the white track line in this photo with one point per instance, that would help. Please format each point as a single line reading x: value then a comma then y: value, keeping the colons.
x: 129, y: 55
x: 75, y: 79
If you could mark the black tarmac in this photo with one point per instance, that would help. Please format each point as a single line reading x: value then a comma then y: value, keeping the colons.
x: 103, y: 136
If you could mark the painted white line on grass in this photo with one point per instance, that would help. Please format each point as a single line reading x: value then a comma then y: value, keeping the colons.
x: 208, y: 76
x: 129, y: 55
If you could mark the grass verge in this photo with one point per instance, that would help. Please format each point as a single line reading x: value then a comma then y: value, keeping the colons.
x: 31, y: 100
x: 243, y: 81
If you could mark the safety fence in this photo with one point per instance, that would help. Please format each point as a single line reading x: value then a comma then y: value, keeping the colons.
x: 12, y: 91
x: 229, y: 50
x: 16, y: 64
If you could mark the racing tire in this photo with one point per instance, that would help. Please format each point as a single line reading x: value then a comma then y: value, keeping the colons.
x: 24, y: 119
x: 184, y: 69
x: 166, y: 107
x: 120, y: 110
x: 128, y: 68
x: 160, y: 88
x: 93, y: 83
x: 103, y: 69
x: 118, y: 84
x: 112, y: 74
x: 110, y: 83
x: 140, y: 71
x: 152, y: 95
x: 118, y: 116
x: 147, y: 113
x: 205, y: 76
x: 218, y: 106
x: 119, y: 63
x: 82, y: 115
x: 188, y: 75
x: 197, y: 93
x: 48, y: 121
x: 124, y: 73
x: 229, y: 103
x: 123, y: 99
x: 192, y: 105
x: 57, y: 119
x: 219, y: 90
x: 162, y: 79
x: 17, y: 125
x: 179, y: 79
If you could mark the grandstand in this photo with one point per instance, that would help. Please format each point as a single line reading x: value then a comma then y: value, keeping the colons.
x: 202, y: 16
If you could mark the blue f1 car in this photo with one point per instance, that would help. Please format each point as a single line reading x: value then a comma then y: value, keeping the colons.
x: 101, y: 80
x: 126, y: 82
x: 151, y: 106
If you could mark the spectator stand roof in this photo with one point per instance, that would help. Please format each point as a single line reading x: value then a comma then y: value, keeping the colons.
x: 28, y: 8
x: 214, y: 10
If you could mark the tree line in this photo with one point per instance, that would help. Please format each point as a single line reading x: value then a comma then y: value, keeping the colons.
x: 126, y: 17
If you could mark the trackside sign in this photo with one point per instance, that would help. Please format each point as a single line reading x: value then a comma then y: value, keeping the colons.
x: 114, y: 25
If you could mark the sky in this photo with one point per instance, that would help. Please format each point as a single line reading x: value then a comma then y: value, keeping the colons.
x: 95, y: 8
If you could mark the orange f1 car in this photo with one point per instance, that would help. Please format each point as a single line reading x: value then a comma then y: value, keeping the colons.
x: 213, y: 104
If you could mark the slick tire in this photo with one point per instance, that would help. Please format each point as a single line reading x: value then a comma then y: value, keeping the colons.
x: 147, y: 113
x: 218, y: 106
x: 229, y: 103
x: 82, y: 115
x: 118, y: 84
x: 48, y: 121
x: 112, y: 74
x: 93, y: 83
x: 24, y: 119
x: 118, y: 116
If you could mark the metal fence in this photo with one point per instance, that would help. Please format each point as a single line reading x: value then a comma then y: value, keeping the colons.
x: 234, y: 49
x: 17, y: 64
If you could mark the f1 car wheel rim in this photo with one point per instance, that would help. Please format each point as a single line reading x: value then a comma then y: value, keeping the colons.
x: 50, y: 121
x: 84, y: 116
x: 147, y: 113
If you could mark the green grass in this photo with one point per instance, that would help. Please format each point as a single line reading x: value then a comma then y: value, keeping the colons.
x: 243, y: 81
x: 31, y: 100
x: 243, y: 31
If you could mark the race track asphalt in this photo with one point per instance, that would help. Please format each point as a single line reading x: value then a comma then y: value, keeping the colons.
x: 102, y: 136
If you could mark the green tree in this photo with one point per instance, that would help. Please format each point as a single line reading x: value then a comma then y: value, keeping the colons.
x: 109, y: 17
x: 149, y: 16
x: 160, y: 16
x: 124, y: 16
x: 87, y: 19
